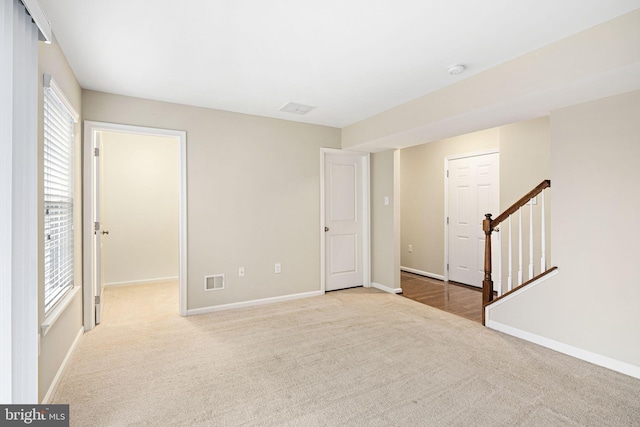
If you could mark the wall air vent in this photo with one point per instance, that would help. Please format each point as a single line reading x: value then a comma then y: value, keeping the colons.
x: 295, y: 108
x: 214, y: 282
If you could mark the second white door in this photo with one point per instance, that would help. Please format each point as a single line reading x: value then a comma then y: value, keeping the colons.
x: 473, y: 191
x: 343, y: 221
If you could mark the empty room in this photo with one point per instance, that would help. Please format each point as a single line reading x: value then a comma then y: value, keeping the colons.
x: 210, y: 210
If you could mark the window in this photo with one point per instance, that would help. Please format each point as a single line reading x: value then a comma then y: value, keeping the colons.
x: 59, y: 121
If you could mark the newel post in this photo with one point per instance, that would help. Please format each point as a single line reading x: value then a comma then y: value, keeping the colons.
x: 487, y: 283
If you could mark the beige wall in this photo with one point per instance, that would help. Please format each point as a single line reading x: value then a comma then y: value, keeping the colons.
x: 139, y: 208
x: 253, y: 195
x: 422, y: 196
x: 592, y: 304
x: 525, y: 161
x: 385, y: 268
x: 59, y: 338
x: 525, y: 146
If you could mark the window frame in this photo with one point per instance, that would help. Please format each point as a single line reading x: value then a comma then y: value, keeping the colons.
x: 59, y: 119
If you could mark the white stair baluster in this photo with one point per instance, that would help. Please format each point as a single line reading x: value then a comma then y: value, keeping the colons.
x: 530, y: 239
x: 499, y: 263
x: 520, y: 247
x: 543, y: 244
x: 510, y: 266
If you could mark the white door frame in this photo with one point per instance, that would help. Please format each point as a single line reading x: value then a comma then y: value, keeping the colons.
x: 90, y: 130
x: 446, y: 199
x: 366, y: 229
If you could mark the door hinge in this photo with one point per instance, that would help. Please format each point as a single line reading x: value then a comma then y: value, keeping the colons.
x: 447, y: 173
x: 447, y: 220
x: 97, y: 299
x: 96, y: 152
x: 447, y: 267
x: 96, y: 226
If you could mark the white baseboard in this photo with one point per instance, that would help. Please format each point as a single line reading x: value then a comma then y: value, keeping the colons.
x: 596, y: 359
x: 143, y: 281
x: 386, y: 288
x: 422, y: 273
x: 232, y: 306
x: 61, y: 369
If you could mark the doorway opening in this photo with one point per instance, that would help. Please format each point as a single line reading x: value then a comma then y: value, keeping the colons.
x: 134, y: 210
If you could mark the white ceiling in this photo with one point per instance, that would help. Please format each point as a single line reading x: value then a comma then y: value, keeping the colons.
x: 349, y: 58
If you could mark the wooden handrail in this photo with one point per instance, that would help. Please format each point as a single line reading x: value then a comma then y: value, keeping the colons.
x: 520, y: 203
x: 488, y: 226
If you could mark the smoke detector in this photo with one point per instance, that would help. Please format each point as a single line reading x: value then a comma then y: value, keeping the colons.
x: 456, y: 69
x: 295, y: 108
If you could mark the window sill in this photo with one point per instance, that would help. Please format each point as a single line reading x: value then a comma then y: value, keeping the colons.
x: 55, y: 313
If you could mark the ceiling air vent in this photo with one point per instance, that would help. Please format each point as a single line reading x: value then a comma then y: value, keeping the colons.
x: 295, y: 108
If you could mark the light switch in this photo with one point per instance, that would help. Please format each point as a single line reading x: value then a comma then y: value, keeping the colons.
x: 386, y: 200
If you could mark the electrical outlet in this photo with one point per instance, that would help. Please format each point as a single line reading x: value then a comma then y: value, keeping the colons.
x: 241, y: 272
x: 278, y: 268
x: 410, y: 248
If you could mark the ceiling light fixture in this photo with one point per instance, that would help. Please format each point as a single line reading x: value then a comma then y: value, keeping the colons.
x: 295, y: 108
x: 456, y: 69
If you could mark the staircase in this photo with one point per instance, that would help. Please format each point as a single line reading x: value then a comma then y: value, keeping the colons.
x: 529, y: 238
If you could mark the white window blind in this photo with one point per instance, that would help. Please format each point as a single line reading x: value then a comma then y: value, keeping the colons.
x: 58, y: 195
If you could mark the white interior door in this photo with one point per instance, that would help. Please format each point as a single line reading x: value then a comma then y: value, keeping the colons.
x: 473, y: 191
x: 343, y: 221
x: 98, y: 229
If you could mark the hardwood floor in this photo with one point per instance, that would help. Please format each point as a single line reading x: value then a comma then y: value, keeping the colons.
x: 458, y: 299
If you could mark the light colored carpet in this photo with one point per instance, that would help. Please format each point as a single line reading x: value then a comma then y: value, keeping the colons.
x: 350, y: 358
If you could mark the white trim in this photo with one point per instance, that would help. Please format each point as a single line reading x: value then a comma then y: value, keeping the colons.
x: 63, y: 366
x: 366, y: 223
x: 518, y: 292
x: 446, y: 223
x: 366, y: 213
x: 89, y: 315
x: 182, y: 220
x: 386, y: 288
x: 90, y: 129
x: 596, y: 359
x: 58, y: 309
x: 144, y: 281
x: 40, y: 19
x: 49, y: 82
x: 323, y: 152
x: 252, y: 303
x: 473, y: 154
x: 446, y: 198
x: 422, y: 273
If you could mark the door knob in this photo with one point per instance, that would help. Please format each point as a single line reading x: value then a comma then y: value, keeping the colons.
x: 326, y: 229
